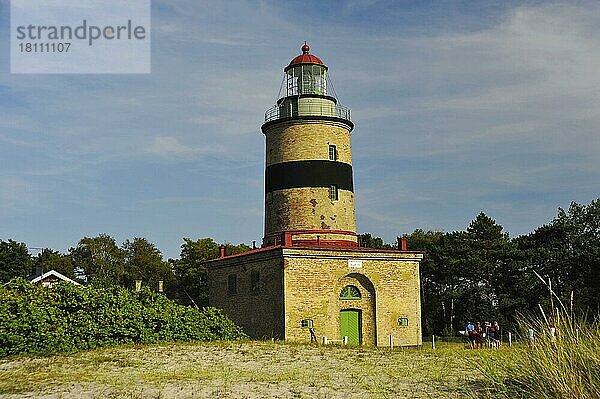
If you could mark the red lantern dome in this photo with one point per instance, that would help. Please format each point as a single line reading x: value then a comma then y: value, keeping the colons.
x: 305, y: 57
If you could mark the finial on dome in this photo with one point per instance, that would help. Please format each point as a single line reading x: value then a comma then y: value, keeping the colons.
x: 305, y: 48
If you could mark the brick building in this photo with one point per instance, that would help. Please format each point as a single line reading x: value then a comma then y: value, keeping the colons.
x: 311, y: 279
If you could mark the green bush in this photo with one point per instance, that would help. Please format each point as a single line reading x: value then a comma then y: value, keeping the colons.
x: 66, y: 317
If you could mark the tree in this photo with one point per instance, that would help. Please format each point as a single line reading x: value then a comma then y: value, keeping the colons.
x: 489, y: 249
x: 49, y: 259
x: 143, y: 261
x: 366, y: 240
x: 14, y: 260
x: 459, y: 273
x: 566, y: 254
x: 231, y: 249
x: 432, y: 304
x: 102, y: 261
x: 190, y: 271
x: 581, y: 226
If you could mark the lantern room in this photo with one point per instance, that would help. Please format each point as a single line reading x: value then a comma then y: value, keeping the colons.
x: 306, y: 74
x: 306, y: 90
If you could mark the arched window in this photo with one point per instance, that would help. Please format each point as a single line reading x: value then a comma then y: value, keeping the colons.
x: 350, y: 292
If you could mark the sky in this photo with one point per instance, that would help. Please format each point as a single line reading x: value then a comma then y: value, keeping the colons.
x: 459, y: 107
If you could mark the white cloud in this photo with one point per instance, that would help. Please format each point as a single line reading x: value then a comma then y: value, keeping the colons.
x: 166, y: 146
x: 528, y: 82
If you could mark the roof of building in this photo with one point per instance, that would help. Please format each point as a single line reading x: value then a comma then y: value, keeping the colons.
x: 325, y: 247
x: 55, y: 274
x: 305, y: 57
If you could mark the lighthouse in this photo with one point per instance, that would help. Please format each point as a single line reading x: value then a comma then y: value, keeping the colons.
x: 311, y: 280
x: 309, y: 190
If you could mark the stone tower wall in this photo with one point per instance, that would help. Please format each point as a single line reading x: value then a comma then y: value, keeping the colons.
x: 308, y: 208
x: 303, y: 140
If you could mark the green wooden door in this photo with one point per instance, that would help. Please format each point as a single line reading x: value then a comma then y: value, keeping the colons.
x: 350, y: 326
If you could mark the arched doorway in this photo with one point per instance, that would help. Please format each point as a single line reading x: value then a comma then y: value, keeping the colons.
x: 356, y: 305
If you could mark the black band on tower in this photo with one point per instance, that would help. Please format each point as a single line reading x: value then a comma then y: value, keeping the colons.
x: 299, y: 174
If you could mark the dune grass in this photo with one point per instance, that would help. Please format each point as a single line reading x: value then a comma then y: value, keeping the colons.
x: 564, y: 364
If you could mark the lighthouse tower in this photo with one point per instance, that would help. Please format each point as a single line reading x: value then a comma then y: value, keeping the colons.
x: 309, y: 192
x: 310, y: 280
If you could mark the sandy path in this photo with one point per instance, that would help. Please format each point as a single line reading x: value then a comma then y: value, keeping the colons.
x: 239, y: 370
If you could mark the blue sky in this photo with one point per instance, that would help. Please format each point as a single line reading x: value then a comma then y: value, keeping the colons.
x: 459, y: 106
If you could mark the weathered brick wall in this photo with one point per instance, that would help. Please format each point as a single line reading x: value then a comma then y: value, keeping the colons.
x: 313, y: 281
x: 399, y: 296
x: 260, y: 312
x: 297, y: 284
x: 303, y: 140
x: 308, y: 209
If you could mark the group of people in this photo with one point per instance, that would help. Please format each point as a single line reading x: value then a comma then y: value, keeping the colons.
x: 487, y: 334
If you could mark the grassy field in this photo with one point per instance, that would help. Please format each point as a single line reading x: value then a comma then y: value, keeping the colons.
x: 246, y: 370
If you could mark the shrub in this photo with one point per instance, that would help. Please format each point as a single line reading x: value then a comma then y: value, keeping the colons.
x: 66, y: 317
